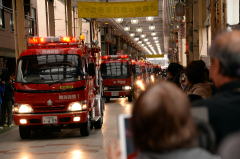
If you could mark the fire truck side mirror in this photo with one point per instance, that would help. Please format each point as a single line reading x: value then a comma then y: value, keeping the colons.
x: 91, y: 69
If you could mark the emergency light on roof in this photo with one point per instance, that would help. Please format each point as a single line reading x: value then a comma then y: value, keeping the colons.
x: 114, y: 57
x: 36, y: 40
x: 134, y: 62
x: 44, y: 40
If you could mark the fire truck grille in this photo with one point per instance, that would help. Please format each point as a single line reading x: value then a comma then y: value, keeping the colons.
x: 49, y: 108
x: 115, y: 88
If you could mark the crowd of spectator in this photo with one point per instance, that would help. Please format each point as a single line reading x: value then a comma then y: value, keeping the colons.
x: 217, y: 90
x: 220, y: 93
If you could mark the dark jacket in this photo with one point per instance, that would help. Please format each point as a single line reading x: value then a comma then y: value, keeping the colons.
x: 2, y: 90
x: 224, y: 110
x: 8, y: 94
x: 192, y: 153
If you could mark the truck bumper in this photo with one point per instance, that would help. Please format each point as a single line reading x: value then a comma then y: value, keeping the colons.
x: 117, y: 94
x: 51, y: 119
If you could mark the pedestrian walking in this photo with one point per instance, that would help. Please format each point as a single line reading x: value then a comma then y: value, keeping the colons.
x: 8, y: 101
x: 2, y: 111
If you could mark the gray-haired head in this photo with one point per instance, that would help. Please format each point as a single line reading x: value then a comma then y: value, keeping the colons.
x: 226, y: 48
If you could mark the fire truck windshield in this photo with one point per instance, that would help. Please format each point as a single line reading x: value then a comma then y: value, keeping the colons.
x: 137, y: 70
x: 49, y: 69
x: 115, y: 70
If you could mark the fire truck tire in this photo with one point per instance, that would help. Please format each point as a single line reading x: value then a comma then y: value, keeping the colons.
x: 85, y: 128
x: 98, y: 124
x: 130, y: 98
x: 25, y: 132
x: 107, y: 99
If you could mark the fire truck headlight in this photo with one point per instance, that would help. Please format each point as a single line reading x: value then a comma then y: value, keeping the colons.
x: 127, y: 87
x: 24, y: 108
x: 152, y: 78
x: 140, y: 84
x: 77, y: 106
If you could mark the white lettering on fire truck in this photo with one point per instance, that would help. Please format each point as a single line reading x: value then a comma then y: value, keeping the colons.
x: 50, y: 51
x: 63, y: 97
x: 119, y: 82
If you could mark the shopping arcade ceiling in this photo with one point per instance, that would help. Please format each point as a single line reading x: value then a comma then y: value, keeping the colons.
x: 155, y: 33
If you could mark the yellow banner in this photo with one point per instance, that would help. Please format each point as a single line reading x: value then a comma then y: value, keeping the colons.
x: 155, y: 56
x: 117, y: 9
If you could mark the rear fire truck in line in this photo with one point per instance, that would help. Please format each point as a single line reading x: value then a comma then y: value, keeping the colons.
x: 117, y: 75
x: 57, y: 85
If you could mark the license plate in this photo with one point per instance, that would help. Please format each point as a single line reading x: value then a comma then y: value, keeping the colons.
x: 115, y: 93
x: 49, y: 119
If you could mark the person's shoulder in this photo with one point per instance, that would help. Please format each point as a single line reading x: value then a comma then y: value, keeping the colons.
x: 199, y: 153
x: 186, y: 153
x: 211, y: 101
x: 230, y: 147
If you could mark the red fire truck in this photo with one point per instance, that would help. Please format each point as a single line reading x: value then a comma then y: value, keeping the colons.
x: 139, y: 70
x: 117, y: 77
x: 57, y: 86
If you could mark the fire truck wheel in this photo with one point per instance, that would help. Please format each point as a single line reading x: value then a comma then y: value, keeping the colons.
x: 130, y: 98
x: 98, y: 124
x: 85, y: 128
x: 25, y: 132
x: 107, y: 99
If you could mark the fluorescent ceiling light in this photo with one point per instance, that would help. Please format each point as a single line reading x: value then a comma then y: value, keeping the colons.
x: 139, y: 29
x: 156, y: 41
x: 145, y: 39
x: 149, y: 53
x: 151, y: 27
x: 119, y: 20
x: 132, y: 34
x: 143, y: 36
x: 127, y: 28
x: 148, y: 42
x: 149, y: 18
x: 134, y: 21
x: 136, y: 39
x: 155, y: 38
x: 153, y: 34
x: 140, y: 42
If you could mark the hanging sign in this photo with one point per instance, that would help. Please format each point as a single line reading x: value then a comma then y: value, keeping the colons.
x: 155, y: 56
x: 117, y: 9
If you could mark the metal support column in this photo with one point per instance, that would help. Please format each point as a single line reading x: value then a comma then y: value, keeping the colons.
x: 189, y: 29
x: 51, y: 18
x: 196, y: 22
x: 213, y: 18
x: 19, y: 26
x: 46, y: 12
x: 69, y: 17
